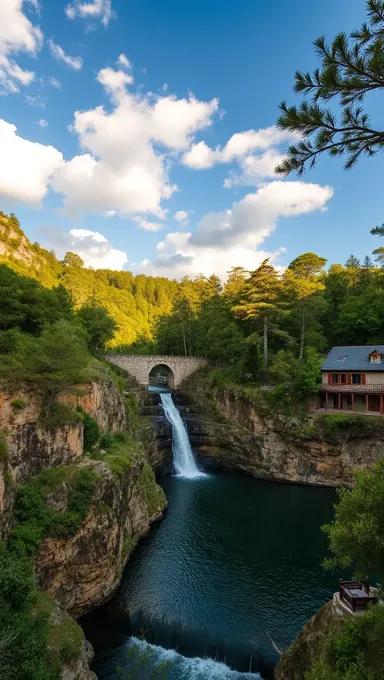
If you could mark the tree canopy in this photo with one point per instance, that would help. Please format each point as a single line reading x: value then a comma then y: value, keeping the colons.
x: 351, y: 67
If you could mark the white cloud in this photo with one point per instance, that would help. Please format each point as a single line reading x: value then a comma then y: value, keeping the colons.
x: 182, y: 217
x: 94, y: 9
x: 255, y: 168
x: 28, y: 166
x: 201, y: 156
x: 36, y: 101
x: 124, y: 62
x: 55, y: 83
x: 230, y: 238
x: 43, y: 123
x: 94, y: 249
x: 114, y: 82
x: 147, y: 225
x: 122, y: 167
x: 58, y: 53
x: 17, y: 34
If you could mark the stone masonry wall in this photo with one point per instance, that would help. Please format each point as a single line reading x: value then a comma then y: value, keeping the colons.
x: 140, y: 366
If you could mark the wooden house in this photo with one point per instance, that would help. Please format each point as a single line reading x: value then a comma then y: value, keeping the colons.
x: 353, y: 379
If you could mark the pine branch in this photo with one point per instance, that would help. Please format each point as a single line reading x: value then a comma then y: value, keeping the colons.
x: 350, y: 68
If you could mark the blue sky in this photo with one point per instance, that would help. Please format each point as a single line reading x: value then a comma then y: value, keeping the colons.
x: 160, y: 87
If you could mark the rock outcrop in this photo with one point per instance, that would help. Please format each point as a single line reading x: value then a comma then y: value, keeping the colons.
x: 84, y: 570
x: 233, y: 435
x: 31, y: 447
x: 310, y: 645
x: 81, y: 571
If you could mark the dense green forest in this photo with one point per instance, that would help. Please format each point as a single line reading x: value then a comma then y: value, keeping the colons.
x: 256, y: 326
x: 134, y: 302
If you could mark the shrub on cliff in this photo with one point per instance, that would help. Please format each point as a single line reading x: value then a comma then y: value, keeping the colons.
x: 91, y: 429
x: 356, y: 536
x: 37, y: 520
x: 24, y: 629
x: 355, y: 653
x: 338, y: 428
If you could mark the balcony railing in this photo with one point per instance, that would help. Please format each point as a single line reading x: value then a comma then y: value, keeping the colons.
x: 351, y: 388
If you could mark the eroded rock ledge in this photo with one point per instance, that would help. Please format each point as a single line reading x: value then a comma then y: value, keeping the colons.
x: 229, y: 433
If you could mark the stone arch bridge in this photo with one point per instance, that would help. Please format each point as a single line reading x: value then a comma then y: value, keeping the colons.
x: 140, y: 366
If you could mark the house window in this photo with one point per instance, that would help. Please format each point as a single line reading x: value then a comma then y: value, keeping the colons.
x: 335, y: 378
x: 343, y: 379
x: 375, y: 358
x: 356, y: 379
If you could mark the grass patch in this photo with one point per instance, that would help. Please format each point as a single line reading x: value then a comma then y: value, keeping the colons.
x: 18, y: 404
x: 66, y: 639
x: 118, y: 451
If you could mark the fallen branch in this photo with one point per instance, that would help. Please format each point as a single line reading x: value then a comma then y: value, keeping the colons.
x: 274, y: 645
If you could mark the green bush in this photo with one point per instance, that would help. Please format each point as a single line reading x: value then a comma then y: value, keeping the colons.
x: 118, y: 451
x: 18, y: 404
x: 91, y: 429
x: 58, y: 415
x: 106, y: 441
x: 24, y: 628
x: 335, y: 427
x: 355, y: 653
x: 356, y: 535
x: 36, y: 520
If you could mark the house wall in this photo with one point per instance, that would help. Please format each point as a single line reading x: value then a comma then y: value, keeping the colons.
x: 372, y: 377
x: 375, y: 378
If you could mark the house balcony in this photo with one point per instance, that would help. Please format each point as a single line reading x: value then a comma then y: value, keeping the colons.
x: 325, y: 387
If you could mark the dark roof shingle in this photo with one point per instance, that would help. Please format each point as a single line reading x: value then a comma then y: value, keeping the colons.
x: 353, y: 358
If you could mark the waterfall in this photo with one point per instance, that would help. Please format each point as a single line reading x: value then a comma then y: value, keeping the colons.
x: 183, y: 460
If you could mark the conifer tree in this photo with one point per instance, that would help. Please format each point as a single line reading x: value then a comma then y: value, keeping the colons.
x: 351, y: 67
x: 260, y: 299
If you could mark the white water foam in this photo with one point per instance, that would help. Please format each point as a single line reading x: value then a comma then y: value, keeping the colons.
x: 183, y: 460
x: 179, y: 667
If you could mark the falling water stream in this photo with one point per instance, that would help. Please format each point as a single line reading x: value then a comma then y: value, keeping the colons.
x: 234, y: 558
x: 183, y: 460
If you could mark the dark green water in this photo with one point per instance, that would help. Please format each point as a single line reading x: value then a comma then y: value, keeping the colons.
x: 233, y: 559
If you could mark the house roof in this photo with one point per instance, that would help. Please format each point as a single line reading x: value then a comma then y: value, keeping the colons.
x: 353, y: 358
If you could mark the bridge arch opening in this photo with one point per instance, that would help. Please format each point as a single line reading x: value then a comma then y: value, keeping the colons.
x: 161, y: 376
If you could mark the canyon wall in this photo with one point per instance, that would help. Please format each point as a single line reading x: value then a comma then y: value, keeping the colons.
x: 82, y: 570
x: 32, y: 447
x: 231, y: 433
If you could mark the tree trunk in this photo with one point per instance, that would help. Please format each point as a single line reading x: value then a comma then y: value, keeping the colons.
x: 184, y: 338
x: 265, y: 341
x: 302, y: 336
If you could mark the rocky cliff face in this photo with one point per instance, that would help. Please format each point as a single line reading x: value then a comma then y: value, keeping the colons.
x: 310, y: 645
x: 31, y: 447
x: 83, y: 571
x: 236, y: 437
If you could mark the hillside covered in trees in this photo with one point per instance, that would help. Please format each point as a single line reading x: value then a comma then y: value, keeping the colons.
x: 256, y: 322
